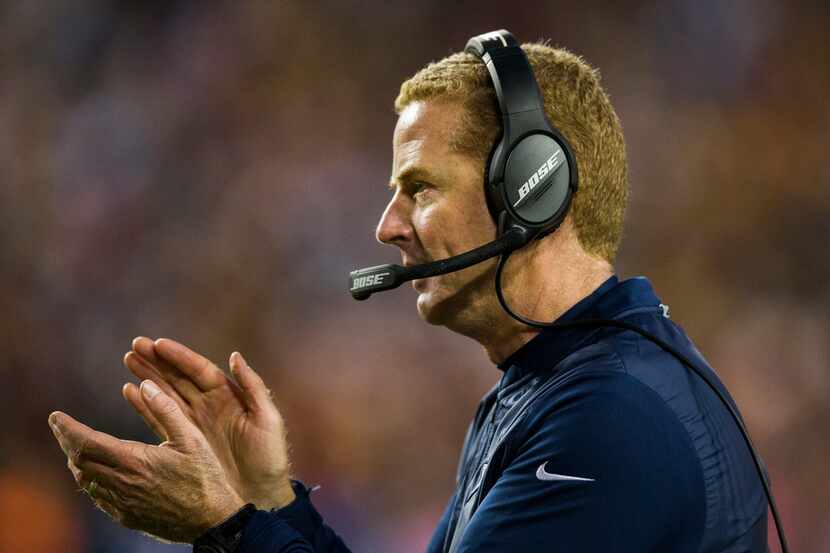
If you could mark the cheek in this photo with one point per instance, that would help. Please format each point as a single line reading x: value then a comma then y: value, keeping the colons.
x: 485, y: 226
x: 479, y: 213
x: 428, y: 223
x: 451, y: 225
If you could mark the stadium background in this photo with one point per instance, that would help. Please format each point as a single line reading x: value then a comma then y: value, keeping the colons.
x: 210, y: 172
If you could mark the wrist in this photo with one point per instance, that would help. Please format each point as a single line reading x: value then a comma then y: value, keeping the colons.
x: 301, y: 514
x: 225, y: 536
x: 281, y: 497
x: 231, y: 506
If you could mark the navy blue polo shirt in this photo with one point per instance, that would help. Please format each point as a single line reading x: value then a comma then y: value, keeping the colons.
x: 623, y: 450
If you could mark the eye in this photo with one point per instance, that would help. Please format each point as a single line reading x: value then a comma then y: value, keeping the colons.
x: 419, y: 187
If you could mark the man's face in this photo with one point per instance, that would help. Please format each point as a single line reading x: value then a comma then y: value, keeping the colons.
x: 438, y: 210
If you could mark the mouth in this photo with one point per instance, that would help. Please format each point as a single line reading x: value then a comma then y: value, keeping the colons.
x: 419, y: 284
x: 410, y: 262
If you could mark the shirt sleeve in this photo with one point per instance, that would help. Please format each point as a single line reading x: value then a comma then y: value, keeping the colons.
x: 304, y: 518
x: 604, y: 467
x: 296, y: 528
x: 266, y: 533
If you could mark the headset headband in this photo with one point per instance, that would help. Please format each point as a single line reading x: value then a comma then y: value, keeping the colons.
x: 516, y: 87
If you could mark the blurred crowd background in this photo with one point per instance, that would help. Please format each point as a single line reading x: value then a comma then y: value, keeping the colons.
x: 211, y: 171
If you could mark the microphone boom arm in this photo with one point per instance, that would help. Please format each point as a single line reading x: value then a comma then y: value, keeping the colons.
x: 365, y: 282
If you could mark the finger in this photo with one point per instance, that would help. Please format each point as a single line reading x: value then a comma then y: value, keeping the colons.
x: 175, y: 383
x: 138, y: 361
x: 145, y: 370
x: 103, y: 475
x: 108, y: 507
x: 133, y: 396
x: 174, y: 379
x: 145, y: 348
x: 104, y: 497
x: 82, y: 444
x: 173, y: 422
x: 80, y: 478
x: 200, y: 370
x: 256, y: 395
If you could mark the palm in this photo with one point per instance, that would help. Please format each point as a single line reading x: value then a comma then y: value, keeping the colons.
x: 238, y: 419
x: 251, y: 447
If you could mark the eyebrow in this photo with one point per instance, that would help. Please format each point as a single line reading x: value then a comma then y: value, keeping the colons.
x: 411, y: 174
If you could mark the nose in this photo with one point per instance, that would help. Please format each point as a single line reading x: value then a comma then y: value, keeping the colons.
x: 395, y: 226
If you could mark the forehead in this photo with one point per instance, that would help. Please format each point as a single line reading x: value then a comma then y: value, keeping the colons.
x: 424, y: 132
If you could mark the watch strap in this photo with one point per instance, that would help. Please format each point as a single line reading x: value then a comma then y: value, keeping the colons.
x: 225, y: 537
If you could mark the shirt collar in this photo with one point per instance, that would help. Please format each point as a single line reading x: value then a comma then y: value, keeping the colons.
x: 610, y: 300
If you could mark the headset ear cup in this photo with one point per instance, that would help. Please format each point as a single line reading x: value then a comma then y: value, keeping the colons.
x: 491, y: 189
x: 537, y: 181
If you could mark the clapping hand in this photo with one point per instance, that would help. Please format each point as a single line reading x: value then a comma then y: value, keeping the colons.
x: 236, y: 416
x: 175, y: 491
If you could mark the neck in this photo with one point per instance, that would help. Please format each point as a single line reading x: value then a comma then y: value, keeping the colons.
x: 540, y: 282
x: 544, y: 304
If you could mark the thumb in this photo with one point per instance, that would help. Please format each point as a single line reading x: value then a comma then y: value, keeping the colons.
x: 167, y: 413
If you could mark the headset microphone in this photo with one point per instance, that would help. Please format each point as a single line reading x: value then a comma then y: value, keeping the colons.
x: 530, y: 176
x: 364, y: 282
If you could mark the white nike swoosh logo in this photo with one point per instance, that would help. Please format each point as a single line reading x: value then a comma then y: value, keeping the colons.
x: 542, y: 474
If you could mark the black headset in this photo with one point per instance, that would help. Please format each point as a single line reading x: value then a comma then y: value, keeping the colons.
x: 530, y: 179
x: 531, y: 172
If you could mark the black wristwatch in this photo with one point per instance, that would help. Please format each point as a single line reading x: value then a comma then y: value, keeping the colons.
x: 225, y: 537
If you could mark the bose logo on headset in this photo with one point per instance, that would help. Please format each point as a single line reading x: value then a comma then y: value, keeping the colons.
x: 369, y: 280
x: 550, y: 166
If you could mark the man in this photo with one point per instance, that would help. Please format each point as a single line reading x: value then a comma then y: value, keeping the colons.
x: 594, y: 440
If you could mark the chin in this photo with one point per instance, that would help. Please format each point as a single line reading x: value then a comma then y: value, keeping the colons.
x: 456, y: 303
x: 427, y: 309
x: 438, y: 306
